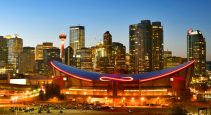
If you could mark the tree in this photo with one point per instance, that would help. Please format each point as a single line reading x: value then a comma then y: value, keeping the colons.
x: 176, y: 110
x: 41, y: 95
x: 51, y: 90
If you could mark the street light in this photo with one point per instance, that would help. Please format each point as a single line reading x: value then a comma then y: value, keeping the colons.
x: 142, y: 99
x: 85, y: 93
x: 106, y: 99
x: 14, y: 99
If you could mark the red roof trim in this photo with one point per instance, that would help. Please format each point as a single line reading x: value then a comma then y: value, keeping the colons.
x: 169, y: 73
x: 75, y: 76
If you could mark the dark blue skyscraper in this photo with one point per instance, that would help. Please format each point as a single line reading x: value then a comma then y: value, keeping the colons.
x: 196, y: 50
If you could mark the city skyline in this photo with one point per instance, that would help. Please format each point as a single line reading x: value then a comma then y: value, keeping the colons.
x: 38, y: 22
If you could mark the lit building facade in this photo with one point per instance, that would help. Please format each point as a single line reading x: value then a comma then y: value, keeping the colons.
x: 39, y: 57
x: 123, y: 89
x: 118, y: 56
x: 77, y: 38
x: 196, y: 50
x: 3, y: 51
x: 167, y: 54
x: 15, y: 47
x: 208, y: 64
x: 98, y: 52
x: 172, y: 61
x: 69, y: 56
x: 84, y: 59
x: 107, y: 43
x: 132, y: 48
x: 146, y: 46
x: 40, y: 48
x: 101, y: 62
x: 157, y: 46
x: 108, y: 56
x: 127, y: 62
x: 49, y: 55
x: 27, y: 61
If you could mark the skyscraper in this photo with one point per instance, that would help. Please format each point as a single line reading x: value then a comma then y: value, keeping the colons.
x: 196, y: 50
x: 27, y: 60
x: 39, y: 56
x: 142, y: 47
x: 49, y: 55
x: 3, y: 51
x: 208, y: 65
x: 146, y: 46
x: 132, y: 49
x: 167, y: 54
x: 118, y: 56
x: 77, y: 38
x: 101, y: 63
x: 157, y: 46
x: 15, y: 47
x: 84, y: 59
x: 107, y: 42
x: 40, y: 48
x: 68, y: 56
x: 98, y: 52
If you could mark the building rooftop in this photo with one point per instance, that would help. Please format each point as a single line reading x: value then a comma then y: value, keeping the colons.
x: 93, y: 76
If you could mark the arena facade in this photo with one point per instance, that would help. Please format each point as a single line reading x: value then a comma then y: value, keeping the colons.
x: 154, y: 88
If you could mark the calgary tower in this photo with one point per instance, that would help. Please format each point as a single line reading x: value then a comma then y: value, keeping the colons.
x: 62, y: 37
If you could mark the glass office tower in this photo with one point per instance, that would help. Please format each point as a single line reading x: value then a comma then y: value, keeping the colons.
x: 196, y: 50
x: 77, y: 38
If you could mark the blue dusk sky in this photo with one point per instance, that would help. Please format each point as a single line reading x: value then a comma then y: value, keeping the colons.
x: 38, y: 21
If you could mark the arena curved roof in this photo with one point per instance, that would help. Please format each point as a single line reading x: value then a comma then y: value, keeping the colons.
x: 93, y: 76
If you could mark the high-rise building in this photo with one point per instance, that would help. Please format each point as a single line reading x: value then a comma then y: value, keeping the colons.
x: 101, y: 63
x: 15, y: 47
x: 3, y: 51
x: 105, y: 67
x: 118, y: 56
x: 49, y: 55
x: 172, y: 61
x: 39, y: 56
x: 107, y: 43
x: 133, y: 50
x: 98, y: 51
x: 167, y: 54
x: 208, y: 64
x: 77, y: 38
x: 27, y: 60
x: 143, y: 47
x: 68, y: 56
x: 196, y: 50
x: 146, y: 46
x: 157, y: 46
x: 84, y: 59
x: 40, y: 48
x: 127, y: 62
